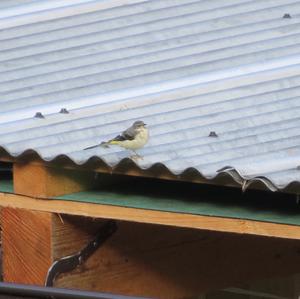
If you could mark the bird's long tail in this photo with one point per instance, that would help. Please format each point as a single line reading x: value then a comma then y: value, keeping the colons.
x: 103, y: 144
x: 113, y: 142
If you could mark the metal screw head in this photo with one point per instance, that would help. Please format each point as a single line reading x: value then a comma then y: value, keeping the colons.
x: 287, y: 16
x: 39, y: 115
x: 213, y: 134
x: 80, y: 260
x: 63, y: 111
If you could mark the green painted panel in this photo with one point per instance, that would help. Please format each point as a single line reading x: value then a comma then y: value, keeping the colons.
x: 6, y: 186
x: 200, y: 207
x: 226, y: 202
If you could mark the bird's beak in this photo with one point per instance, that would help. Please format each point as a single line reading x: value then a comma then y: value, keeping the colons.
x: 145, y: 125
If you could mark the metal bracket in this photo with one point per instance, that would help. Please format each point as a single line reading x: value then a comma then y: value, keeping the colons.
x: 69, y: 263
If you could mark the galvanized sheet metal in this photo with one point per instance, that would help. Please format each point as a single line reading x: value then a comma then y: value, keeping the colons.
x: 186, y: 68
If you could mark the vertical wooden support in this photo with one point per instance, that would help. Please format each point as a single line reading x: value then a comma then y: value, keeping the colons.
x: 26, y: 241
x: 27, y: 235
x: 30, y: 241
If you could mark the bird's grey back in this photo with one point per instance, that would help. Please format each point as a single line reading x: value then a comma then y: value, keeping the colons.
x: 130, y: 132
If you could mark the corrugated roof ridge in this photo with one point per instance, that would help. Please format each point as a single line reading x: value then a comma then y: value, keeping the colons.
x: 174, y: 28
x: 114, y: 132
x: 162, y: 18
x: 8, y: 91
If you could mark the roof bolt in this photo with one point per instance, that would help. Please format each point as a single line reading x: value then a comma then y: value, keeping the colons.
x: 213, y: 134
x: 64, y: 111
x: 287, y: 16
x: 39, y: 115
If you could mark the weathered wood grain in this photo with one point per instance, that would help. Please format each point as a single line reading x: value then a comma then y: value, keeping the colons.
x: 230, y: 225
x: 26, y: 245
x: 164, y: 262
x: 38, y: 180
x: 140, y: 259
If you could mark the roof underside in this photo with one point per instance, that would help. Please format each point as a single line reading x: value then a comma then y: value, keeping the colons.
x: 184, y: 67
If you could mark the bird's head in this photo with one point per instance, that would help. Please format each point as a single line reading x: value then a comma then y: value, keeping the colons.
x: 139, y: 124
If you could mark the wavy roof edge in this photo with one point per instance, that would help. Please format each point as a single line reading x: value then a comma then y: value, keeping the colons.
x: 229, y: 175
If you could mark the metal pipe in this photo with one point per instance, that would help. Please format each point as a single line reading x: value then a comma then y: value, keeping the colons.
x: 50, y: 292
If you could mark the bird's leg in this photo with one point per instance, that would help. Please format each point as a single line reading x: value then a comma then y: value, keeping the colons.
x: 136, y: 155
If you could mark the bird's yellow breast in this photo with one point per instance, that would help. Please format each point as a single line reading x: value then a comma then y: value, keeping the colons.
x: 139, y: 141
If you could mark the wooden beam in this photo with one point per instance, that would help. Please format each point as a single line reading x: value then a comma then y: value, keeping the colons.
x: 28, y: 239
x: 239, y: 226
x: 38, y: 180
x: 131, y: 171
x: 140, y: 259
x: 134, y: 171
x: 165, y: 262
x: 26, y: 245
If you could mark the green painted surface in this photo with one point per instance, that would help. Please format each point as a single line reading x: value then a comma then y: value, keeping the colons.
x: 227, y: 209
x: 6, y: 186
x: 191, y: 199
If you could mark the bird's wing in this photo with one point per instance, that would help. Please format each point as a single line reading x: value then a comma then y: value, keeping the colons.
x: 128, y: 134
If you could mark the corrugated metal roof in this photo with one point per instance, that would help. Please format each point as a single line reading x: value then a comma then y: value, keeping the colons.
x: 185, y: 67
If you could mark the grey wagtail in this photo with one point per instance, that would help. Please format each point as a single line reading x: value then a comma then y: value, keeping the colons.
x: 134, y: 138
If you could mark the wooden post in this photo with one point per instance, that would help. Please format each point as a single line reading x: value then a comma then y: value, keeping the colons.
x: 30, y: 238
x: 26, y: 241
x: 26, y: 234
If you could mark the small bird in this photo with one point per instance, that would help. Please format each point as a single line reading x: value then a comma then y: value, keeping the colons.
x: 134, y: 138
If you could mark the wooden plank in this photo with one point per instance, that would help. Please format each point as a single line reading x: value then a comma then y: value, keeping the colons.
x: 38, y: 180
x: 165, y: 262
x: 134, y: 171
x: 140, y: 259
x: 231, y: 225
x: 131, y: 171
x: 26, y: 241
